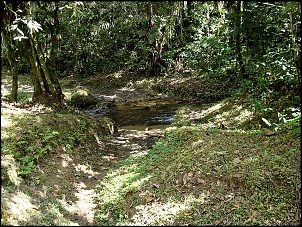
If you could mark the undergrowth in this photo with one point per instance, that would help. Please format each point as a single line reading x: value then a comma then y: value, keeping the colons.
x: 30, y: 139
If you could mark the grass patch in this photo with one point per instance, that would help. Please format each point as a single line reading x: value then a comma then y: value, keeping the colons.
x: 215, y: 165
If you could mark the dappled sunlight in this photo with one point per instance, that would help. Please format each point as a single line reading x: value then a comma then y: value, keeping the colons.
x: 21, y: 207
x: 156, y: 212
x: 236, y: 115
x: 198, y: 143
x: 25, y: 88
x: 229, y: 114
x: 180, y: 80
x: 10, y: 112
x: 126, y: 89
x: 17, y: 109
x: 9, y: 169
x: 118, y: 74
x: 134, y: 139
x: 198, y: 115
x: 84, y: 205
x: 64, y: 174
x: 119, y: 182
x: 86, y: 169
x: 73, y: 91
x: 5, y: 121
x: 66, y: 160
x: 109, y: 97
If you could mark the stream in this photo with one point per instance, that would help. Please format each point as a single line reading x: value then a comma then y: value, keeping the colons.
x: 155, y: 113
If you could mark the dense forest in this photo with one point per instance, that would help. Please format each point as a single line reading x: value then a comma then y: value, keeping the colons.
x: 233, y: 68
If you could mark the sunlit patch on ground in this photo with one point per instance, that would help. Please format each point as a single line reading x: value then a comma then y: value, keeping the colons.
x: 5, y: 121
x: 155, y: 213
x: 20, y: 206
x: 222, y: 114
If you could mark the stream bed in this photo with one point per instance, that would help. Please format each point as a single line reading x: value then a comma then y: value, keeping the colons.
x: 155, y: 113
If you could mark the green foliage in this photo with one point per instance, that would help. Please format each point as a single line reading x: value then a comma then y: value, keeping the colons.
x: 177, y: 38
x: 41, y: 136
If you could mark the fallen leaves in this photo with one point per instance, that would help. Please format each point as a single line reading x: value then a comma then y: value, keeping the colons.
x: 148, y: 196
x: 236, y: 205
x: 155, y: 185
x: 188, y: 213
x: 236, y: 161
x: 190, y: 179
x: 237, y: 152
x: 124, y: 172
x: 149, y: 199
x: 251, y: 218
x: 268, y: 132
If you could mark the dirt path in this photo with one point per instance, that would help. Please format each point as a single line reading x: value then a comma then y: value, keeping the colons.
x: 72, y: 179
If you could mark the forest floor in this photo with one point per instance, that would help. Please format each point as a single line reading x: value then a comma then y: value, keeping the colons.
x: 207, y: 168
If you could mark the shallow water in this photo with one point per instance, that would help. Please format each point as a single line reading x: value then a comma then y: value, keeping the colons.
x: 140, y: 114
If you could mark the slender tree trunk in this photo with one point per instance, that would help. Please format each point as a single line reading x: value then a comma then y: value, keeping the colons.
x: 13, y: 72
x: 42, y: 72
x: 151, y: 54
x: 12, y: 63
x: 54, y: 48
x: 155, y: 54
x: 238, y: 41
x: 35, y: 72
x: 49, y: 85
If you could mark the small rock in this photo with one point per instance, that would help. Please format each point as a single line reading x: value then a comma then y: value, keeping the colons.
x: 236, y: 161
x: 268, y: 132
x: 200, y: 181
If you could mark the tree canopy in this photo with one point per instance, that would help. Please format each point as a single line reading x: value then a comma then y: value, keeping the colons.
x: 255, y: 44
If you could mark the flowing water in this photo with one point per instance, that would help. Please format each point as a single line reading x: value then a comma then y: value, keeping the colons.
x: 156, y: 113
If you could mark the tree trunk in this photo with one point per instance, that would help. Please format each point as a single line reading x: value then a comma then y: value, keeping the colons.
x: 238, y: 41
x: 54, y: 48
x: 155, y: 55
x: 35, y: 72
x: 11, y: 55
x: 14, y: 94
x: 13, y: 72
x: 48, y: 85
